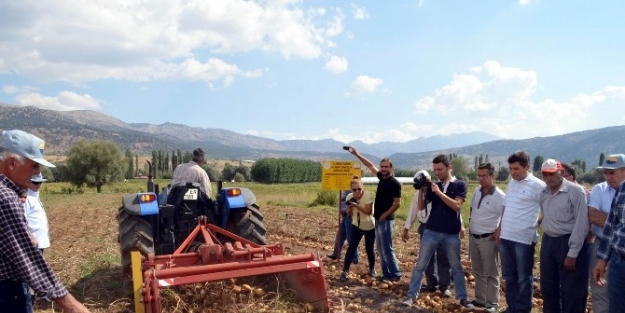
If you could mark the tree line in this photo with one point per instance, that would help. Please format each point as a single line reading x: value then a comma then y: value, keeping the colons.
x: 95, y: 162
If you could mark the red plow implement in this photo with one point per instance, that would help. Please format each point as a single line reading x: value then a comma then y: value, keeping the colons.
x: 202, y: 257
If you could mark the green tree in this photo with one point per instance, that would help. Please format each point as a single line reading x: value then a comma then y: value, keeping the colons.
x: 502, y: 174
x: 95, y: 163
x: 227, y: 174
x: 131, y: 167
x: 460, y: 167
x: 538, y: 162
x: 601, y: 158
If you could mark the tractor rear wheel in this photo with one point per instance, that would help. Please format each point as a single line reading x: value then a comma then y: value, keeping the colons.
x: 249, y: 225
x: 135, y: 233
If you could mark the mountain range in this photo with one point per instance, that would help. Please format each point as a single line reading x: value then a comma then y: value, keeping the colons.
x: 61, y: 129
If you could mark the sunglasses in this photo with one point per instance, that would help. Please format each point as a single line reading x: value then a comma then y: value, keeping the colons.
x: 36, y: 182
x: 356, y: 189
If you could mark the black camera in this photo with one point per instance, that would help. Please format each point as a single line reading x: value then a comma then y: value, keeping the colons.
x: 420, y: 181
x: 351, y: 201
x: 346, y: 148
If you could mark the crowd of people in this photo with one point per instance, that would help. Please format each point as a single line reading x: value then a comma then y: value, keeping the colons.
x: 582, y: 242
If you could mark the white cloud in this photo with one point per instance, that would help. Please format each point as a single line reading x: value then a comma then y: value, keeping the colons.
x: 524, y: 2
x: 359, y: 13
x: 501, y: 100
x: 64, y: 101
x: 336, y: 64
x: 138, y: 41
x: 13, y: 89
x: 335, y: 27
x: 365, y: 84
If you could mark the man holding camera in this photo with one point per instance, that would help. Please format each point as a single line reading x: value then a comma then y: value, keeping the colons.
x: 438, y: 272
x: 443, y: 227
x: 387, y: 201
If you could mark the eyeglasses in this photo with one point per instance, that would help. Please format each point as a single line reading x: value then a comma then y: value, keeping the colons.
x: 356, y: 189
x: 36, y: 182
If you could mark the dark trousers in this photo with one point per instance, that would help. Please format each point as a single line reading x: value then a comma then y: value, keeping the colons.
x: 438, y: 271
x: 356, y: 235
x: 342, y: 236
x: 563, y: 291
x: 13, y: 297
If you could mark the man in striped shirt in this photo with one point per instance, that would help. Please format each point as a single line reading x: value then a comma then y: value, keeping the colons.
x: 564, y: 251
x: 517, y: 232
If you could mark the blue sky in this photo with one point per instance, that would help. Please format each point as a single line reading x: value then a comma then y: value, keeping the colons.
x: 348, y: 70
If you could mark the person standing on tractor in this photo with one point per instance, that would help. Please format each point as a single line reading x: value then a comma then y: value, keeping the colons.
x: 192, y: 172
x: 387, y: 201
x: 21, y: 155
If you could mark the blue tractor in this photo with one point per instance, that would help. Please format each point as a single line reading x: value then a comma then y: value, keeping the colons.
x: 159, y: 223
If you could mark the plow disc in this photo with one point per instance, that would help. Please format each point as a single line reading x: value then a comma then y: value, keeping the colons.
x: 202, y: 257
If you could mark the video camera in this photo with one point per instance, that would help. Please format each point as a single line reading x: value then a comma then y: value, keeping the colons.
x: 422, y: 178
x: 351, y: 201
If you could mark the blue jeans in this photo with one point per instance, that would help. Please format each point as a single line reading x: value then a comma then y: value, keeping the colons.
x: 438, y: 272
x: 384, y: 238
x: 429, y: 243
x: 517, y: 262
x: 343, y: 235
x: 562, y: 290
x: 13, y: 297
x: 616, y: 282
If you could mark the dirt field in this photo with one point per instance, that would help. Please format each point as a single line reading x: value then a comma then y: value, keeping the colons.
x: 85, y: 256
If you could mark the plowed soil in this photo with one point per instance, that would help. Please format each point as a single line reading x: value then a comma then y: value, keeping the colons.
x: 85, y: 256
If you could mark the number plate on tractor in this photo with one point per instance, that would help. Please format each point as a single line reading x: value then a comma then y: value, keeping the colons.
x: 191, y: 194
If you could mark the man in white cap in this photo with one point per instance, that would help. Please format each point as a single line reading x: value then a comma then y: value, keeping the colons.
x: 564, y: 250
x: 21, y: 155
x: 605, y: 210
x: 36, y: 217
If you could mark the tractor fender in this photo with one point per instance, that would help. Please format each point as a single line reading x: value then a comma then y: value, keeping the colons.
x: 134, y: 204
x: 245, y: 200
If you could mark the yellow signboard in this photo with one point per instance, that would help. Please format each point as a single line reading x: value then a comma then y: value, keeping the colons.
x: 337, y: 175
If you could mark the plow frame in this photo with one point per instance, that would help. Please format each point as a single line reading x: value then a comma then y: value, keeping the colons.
x: 212, y: 260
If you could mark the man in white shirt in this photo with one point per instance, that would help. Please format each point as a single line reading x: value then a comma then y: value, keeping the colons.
x: 192, y: 172
x: 517, y: 233
x: 36, y: 217
x: 487, y: 207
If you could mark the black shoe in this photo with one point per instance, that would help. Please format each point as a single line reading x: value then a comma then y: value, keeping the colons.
x: 354, y: 261
x: 373, y: 273
x: 331, y: 256
x: 343, y: 277
x: 477, y: 304
x: 426, y: 288
x: 383, y: 278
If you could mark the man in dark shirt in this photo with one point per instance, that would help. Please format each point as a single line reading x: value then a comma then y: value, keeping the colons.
x: 387, y: 201
x: 21, y: 155
x: 443, y: 227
